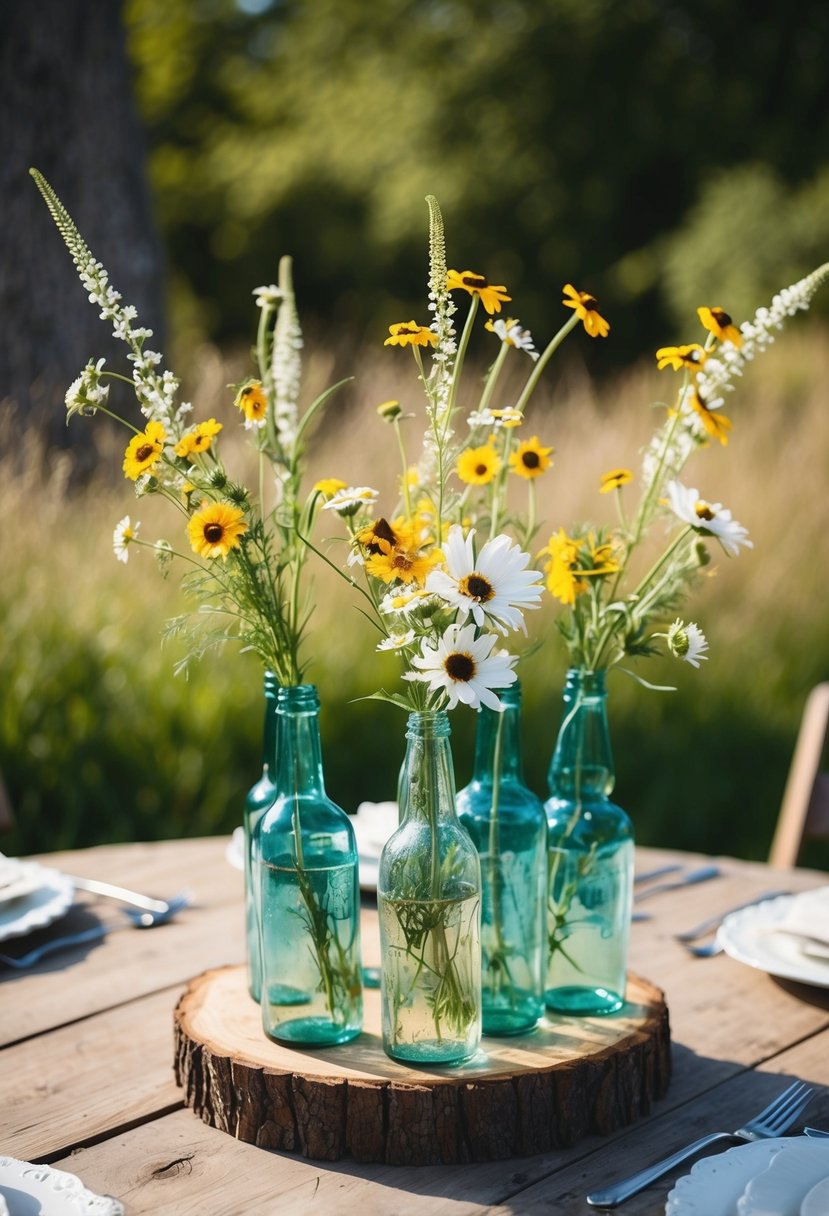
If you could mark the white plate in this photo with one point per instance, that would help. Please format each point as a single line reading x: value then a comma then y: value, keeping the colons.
x: 17, y: 878
x: 55, y: 1192
x: 715, y: 1184
x: 816, y: 1202
x: 235, y: 849
x: 373, y: 824
x: 749, y: 936
x: 46, y: 901
x: 783, y: 1185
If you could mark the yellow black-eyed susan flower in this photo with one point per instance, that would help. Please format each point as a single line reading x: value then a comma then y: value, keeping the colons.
x: 719, y: 323
x: 215, y: 529
x: 530, y: 459
x: 715, y: 424
x: 409, y: 333
x: 614, y: 480
x: 198, y: 439
x: 691, y: 357
x: 490, y: 295
x: 478, y: 466
x: 143, y: 450
x: 253, y: 403
x: 586, y: 310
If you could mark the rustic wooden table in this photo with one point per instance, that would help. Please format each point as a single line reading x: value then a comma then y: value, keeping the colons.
x: 86, y: 1079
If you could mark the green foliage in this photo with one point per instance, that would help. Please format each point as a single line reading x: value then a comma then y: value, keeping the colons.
x: 564, y: 138
x: 747, y: 234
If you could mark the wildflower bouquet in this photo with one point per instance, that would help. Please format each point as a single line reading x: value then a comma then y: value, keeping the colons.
x: 246, y: 557
x: 245, y: 560
x: 613, y: 611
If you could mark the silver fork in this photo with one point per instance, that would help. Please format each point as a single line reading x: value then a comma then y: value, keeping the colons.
x: 139, y: 920
x: 709, y: 949
x: 773, y: 1120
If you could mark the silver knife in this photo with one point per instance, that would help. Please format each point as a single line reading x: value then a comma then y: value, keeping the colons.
x: 687, y: 880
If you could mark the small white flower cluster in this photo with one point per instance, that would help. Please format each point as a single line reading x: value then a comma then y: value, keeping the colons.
x: 267, y: 297
x: 719, y: 370
x: 85, y: 394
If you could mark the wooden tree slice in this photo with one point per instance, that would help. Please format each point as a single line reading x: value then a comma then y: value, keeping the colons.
x: 520, y: 1096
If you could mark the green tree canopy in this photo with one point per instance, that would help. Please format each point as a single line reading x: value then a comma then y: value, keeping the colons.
x: 565, y: 139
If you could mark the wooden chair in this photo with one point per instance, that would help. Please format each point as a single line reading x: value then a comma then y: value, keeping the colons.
x: 804, y: 811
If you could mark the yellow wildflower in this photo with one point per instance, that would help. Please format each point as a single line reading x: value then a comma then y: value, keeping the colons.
x: 587, y: 311
x: 530, y: 459
x: 719, y: 323
x: 491, y: 297
x: 143, y: 450
x: 409, y: 333
x: 478, y: 466
x: 215, y: 529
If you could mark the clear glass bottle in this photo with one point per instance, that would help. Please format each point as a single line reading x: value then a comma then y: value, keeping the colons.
x: 429, y: 900
x: 590, y: 859
x: 259, y: 798
x: 305, y: 863
x: 507, y: 824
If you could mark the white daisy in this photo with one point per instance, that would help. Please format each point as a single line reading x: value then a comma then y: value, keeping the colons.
x: 687, y: 642
x: 397, y: 641
x: 511, y: 332
x: 121, y: 537
x: 709, y: 518
x: 267, y: 297
x: 496, y: 586
x: 349, y: 500
x: 464, y: 667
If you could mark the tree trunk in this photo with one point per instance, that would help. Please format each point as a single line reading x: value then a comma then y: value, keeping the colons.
x: 66, y: 108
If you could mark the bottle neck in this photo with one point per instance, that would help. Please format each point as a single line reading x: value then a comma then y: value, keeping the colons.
x: 269, y: 729
x: 427, y: 779
x: 498, y: 740
x: 299, y: 760
x: 582, y: 764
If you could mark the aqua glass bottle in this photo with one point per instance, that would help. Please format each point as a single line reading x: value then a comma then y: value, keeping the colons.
x: 590, y: 859
x: 507, y: 824
x: 259, y: 798
x: 429, y: 900
x: 305, y: 863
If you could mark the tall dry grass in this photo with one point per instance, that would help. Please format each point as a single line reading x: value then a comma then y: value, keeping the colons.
x: 98, y: 741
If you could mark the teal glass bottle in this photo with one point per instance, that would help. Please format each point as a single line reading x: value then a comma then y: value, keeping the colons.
x: 590, y: 859
x: 259, y: 798
x: 507, y: 824
x: 305, y: 864
x: 429, y: 901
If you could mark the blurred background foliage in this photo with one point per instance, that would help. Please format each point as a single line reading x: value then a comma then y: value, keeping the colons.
x: 660, y: 155
x: 657, y: 154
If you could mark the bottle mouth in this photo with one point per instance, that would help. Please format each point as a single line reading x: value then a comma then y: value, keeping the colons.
x: 428, y: 724
x: 297, y: 698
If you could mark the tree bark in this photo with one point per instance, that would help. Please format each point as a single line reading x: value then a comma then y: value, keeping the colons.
x: 66, y: 108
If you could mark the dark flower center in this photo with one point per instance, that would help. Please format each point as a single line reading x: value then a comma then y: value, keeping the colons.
x: 481, y: 469
x: 460, y: 667
x: 703, y: 511
x: 145, y: 451
x: 474, y: 280
x: 382, y: 531
x: 722, y: 318
x: 478, y: 588
x: 531, y: 460
x: 213, y: 533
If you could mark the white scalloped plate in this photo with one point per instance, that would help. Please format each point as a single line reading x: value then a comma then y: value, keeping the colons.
x: 16, y: 878
x: 783, y: 1185
x: 715, y: 1184
x: 50, y: 898
x: 749, y: 936
x: 816, y: 1202
x: 56, y: 1192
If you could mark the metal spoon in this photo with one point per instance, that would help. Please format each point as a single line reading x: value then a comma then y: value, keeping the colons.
x: 139, y: 920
